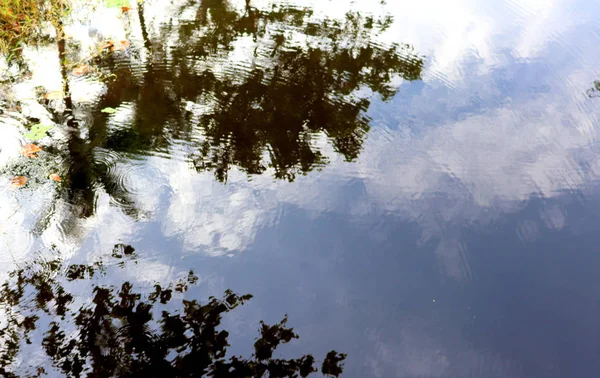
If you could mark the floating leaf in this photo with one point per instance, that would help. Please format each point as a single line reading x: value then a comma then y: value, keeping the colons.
x: 38, y: 131
x: 116, y: 3
x: 81, y: 70
x: 125, y: 9
x: 121, y: 45
x: 18, y: 181
x: 109, y: 110
x: 30, y: 150
x: 108, y: 44
x: 55, y: 177
x: 116, y: 46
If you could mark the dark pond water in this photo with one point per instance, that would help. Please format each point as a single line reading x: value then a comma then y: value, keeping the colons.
x: 415, y: 184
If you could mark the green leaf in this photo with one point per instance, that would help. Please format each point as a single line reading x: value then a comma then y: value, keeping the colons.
x: 38, y: 131
x: 109, y: 110
x: 116, y: 3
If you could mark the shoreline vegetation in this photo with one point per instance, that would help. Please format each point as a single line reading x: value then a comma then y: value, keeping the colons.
x: 23, y: 20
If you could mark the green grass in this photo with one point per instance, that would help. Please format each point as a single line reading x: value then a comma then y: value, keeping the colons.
x: 22, y: 20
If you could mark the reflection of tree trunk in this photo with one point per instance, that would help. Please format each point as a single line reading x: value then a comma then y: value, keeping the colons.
x: 80, y: 177
x: 140, y: 9
x: 62, y: 56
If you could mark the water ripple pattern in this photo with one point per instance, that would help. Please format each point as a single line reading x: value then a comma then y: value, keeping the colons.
x: 430, y: 178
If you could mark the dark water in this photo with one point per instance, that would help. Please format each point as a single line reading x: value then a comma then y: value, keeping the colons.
x: 414, y: 184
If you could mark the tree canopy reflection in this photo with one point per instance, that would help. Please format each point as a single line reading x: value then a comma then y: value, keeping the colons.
x: 301, y: 79
x: 242, y: 87
x: 118, y: 332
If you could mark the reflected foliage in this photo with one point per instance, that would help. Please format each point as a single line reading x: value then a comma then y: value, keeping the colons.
x: 118, y: 332
x: 300, y: 79
x: 24, y: 20
x: 227, y: 84
x: 595, y: 90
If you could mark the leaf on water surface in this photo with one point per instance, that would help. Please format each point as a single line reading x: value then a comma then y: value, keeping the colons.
x: 109, y: 110
x: 116, y: 3
x: 38, y: 131
x: 30, y: 150
x: 18, y: 181
x: 121, y: 45
x: 116, y: 46
x: 81, y: 70
x: 108, y: 44
x: 55, y: 177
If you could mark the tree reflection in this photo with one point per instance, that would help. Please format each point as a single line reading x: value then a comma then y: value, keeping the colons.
x: 595, y: 90
x: 299, y: 81
x: 241, y: 87
x: 124, y: 333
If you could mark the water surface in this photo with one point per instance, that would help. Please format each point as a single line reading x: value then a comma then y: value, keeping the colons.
x: 414, y: 183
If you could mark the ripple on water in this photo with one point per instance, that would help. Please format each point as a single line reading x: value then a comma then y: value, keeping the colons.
x: 132, y: 184
x: 10, y: 137
x: 87, y: 89
x: 145, y: 183
x: 237, y: 70
x: 21, y: 211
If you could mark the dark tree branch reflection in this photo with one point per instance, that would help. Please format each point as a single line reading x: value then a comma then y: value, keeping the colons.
x: 124, y: 333
x: 300, y: 81
x: 240, y: 87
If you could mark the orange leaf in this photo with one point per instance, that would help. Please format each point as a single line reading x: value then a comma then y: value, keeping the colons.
x: 81, y: 69
x: 125, y: 9
x: 30, y: 150
x: 18, y: 181
x: 108, y: 44
x: 55, y: 177
x: 121, y: 45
